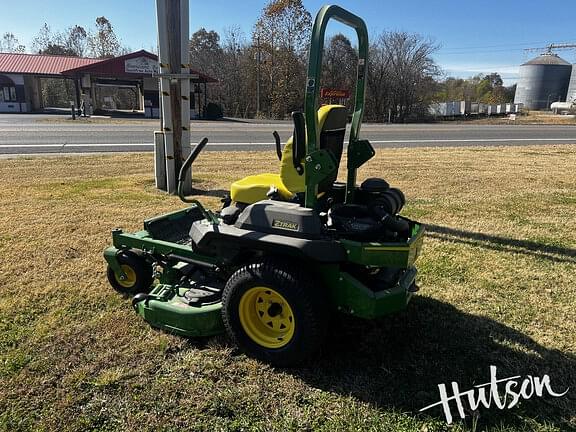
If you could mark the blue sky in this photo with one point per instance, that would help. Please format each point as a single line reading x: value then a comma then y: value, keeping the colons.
x: 475, y: 37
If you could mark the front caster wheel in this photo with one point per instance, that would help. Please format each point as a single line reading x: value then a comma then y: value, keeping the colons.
x: 138, y: 274
x: 273, y: 311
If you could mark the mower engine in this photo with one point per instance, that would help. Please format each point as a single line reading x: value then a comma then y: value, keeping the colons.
x: 374, y: 217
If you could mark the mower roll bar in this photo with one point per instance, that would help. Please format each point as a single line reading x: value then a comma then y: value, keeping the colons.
x: 182, y: 177
x: 312, y: 96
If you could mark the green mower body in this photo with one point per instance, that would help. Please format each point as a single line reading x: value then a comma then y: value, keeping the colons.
x: 167, y: 238
x: 270, y: 267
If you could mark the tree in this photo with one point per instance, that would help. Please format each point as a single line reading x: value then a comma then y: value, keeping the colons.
x: 401, y: 76
x: 77, y: 40
x: 238, y: 70
x: 103, y: 42
x: 378, y: 83
x: 10, y: 44
x: 340, y: 63
x: 59, y: 50
x: 286, y: 24
x: 283, y: 34
x: 44, y: 39
x: 205, y: 51
x: 487, y: 89
x: 57, y: 43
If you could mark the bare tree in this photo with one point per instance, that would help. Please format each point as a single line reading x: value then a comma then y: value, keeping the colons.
x: 77, y: 40
x: 378, y: 84
x: 205, y: 51
x: 103, y: 42
x: 340, y: 61
x: 283, y: 32
x: 72, y: 42
x: 239, y: 69
x: 44, y: 39
x: 402, y: 75
x: 10, y: 44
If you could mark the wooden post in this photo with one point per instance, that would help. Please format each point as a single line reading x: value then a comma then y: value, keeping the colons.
x: 174, y: 66
x: 184, y: 99
x: 77, y: 91
x: 159, y: 160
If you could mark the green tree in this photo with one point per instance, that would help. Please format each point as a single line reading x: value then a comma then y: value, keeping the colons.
x: 487, y: 89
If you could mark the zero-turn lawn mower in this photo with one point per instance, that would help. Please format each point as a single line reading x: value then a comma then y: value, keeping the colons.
x: 287, y: 250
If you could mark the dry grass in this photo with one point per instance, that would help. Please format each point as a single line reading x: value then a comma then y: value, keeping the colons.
x: 529, y: 118
x: 98, y: 120
x: 498, y: 288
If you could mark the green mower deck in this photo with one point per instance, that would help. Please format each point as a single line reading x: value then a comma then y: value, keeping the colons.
x: 163, y: 307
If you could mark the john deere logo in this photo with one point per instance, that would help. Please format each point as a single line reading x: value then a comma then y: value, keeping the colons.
x: 285, y: 225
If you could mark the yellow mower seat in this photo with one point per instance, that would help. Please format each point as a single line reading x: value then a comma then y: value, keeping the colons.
x: 255, y: 188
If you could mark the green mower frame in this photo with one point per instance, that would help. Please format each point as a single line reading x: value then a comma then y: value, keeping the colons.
x: 191, y: 272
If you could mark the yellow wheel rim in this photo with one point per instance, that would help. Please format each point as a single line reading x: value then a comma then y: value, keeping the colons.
x: 130, y: 280
x: 266, y: 317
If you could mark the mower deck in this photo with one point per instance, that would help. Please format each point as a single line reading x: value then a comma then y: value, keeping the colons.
x: 165, y: 307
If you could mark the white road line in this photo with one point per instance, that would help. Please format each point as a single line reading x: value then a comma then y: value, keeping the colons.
x: 408, y: 141
x: 63, y: 146
x: 472, y: 140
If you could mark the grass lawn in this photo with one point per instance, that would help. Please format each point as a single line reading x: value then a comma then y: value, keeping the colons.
x: 498, y: 287
x: 530, y: 118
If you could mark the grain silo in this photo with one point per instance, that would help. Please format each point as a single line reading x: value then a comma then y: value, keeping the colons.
x: 543, y: 80
x: 571, y: 96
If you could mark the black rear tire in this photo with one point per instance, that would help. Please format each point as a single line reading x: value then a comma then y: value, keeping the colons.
x: 139, y: 272
x: 299, y: 294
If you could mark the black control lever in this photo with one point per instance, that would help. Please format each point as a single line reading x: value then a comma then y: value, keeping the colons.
x: 298, y: 141
x: 278, y: 145
x: 188, y: 163
x: 182, y: 176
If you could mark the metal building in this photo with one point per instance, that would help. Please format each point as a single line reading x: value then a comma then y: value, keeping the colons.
x: 571, y: 96
x: 543, y: 80
x: 21, y: 78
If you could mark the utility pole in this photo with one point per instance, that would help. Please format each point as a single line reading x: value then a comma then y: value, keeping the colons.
x: 172, y: 143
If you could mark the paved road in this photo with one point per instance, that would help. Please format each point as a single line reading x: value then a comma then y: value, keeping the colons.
x: 29, y: 134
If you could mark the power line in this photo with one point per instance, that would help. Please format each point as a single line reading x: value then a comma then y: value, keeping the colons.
x: 553, y: 46
x: 508, y: 47
x: 480, y: 52
x: 494, y: 46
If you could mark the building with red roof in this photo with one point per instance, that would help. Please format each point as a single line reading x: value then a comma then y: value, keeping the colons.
x: 94, y: 80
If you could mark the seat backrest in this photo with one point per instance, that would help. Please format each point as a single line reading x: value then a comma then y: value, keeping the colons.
x: 332, y: 126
